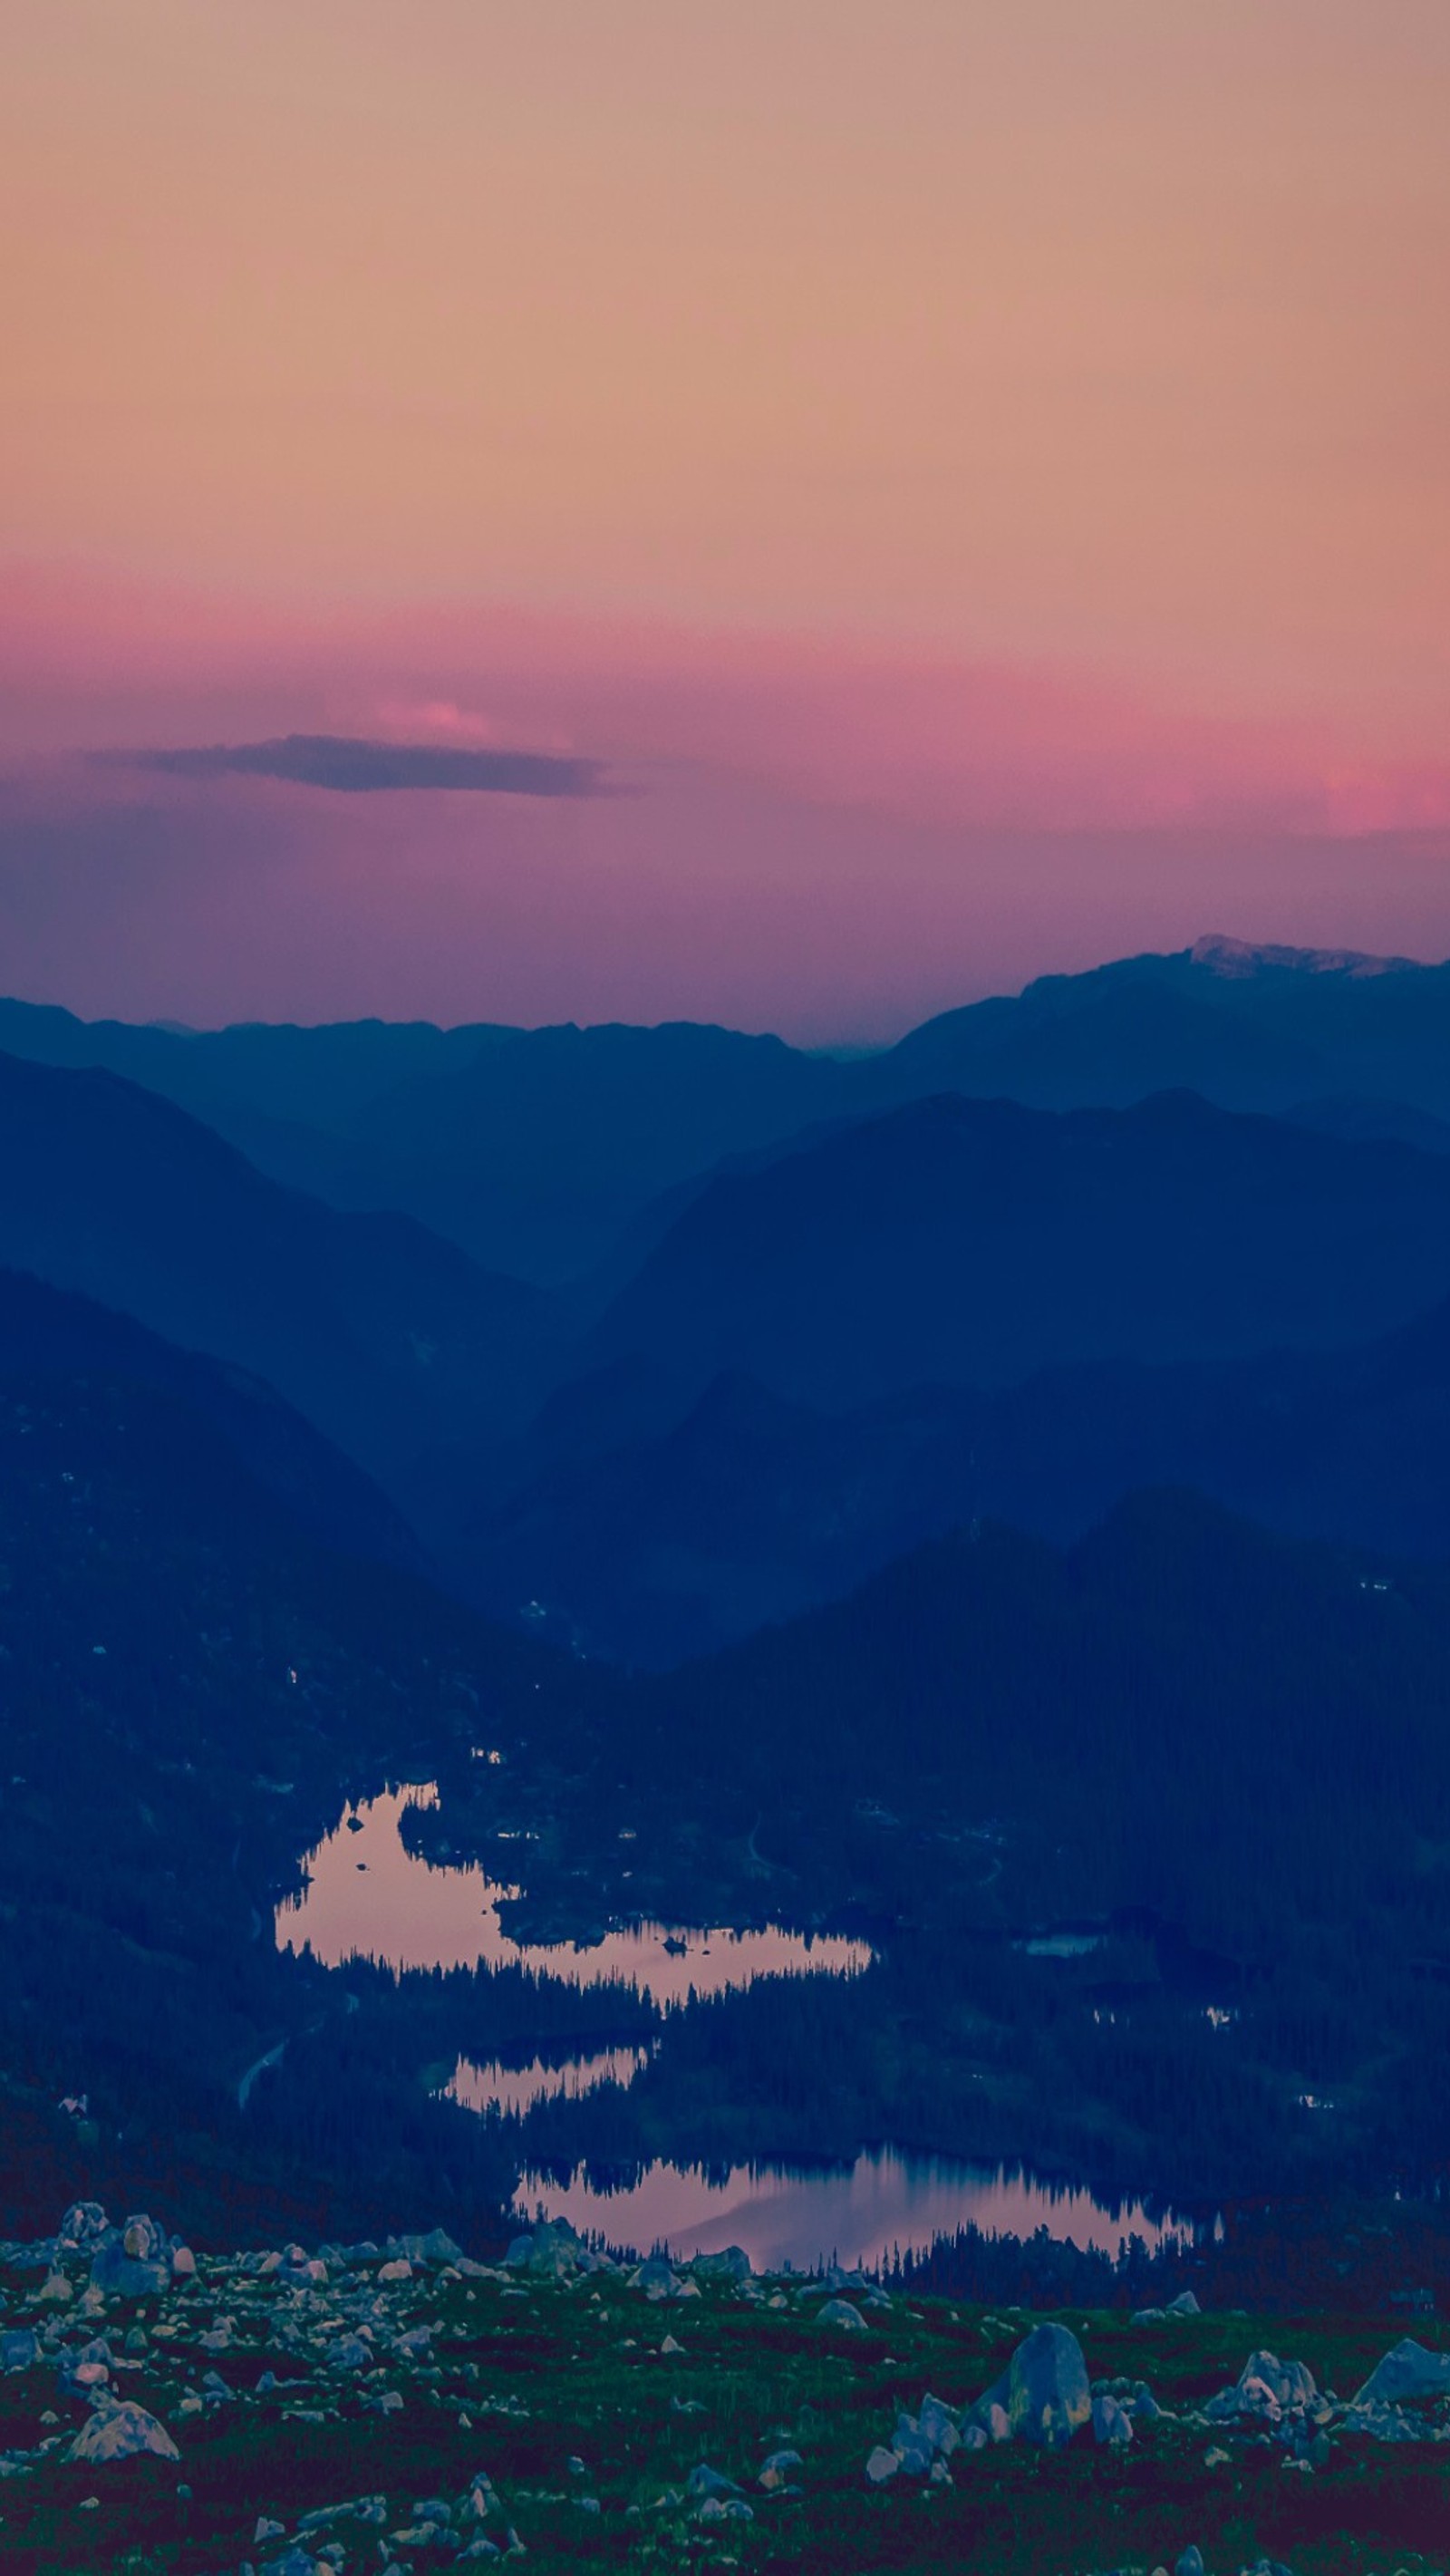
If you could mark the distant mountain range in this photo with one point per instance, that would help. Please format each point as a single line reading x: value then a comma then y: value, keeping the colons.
x: 534, y: 1149
x: 387, y: 1337
x: 832, y: 1307
x: 753, y: 1507
x: 971, y: 1242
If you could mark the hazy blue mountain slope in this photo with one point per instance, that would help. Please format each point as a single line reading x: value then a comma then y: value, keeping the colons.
x: 48, y: 1334
x: 538, y: 1150
x: 753, y: 1507
x: 383, y: 1335
x: 972, y: 1243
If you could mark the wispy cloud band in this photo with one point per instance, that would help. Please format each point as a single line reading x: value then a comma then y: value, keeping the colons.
x: 352, y: 766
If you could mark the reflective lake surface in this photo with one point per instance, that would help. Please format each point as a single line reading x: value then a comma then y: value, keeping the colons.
x: 515, y: 2089
x: 369, y: 1897
x: 860, y: 2213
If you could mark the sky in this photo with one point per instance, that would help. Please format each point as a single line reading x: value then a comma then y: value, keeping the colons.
x: 799, y: 512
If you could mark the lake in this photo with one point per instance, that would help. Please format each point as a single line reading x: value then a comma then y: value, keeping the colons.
x: 515, y: 2089
x: 861, y: 2213
x: 368, y: 1897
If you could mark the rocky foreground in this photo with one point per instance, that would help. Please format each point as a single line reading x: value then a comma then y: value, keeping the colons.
x: 299, y: 2413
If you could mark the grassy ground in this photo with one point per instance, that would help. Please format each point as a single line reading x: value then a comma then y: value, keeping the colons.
x: 517, y: 2383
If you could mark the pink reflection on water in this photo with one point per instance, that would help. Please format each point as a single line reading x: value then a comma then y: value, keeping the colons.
x: 515, y: 2089
x: 858, y: 2214
x: 369, y: 1897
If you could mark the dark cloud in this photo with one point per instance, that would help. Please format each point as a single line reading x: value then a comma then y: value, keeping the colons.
x: 358, y: 767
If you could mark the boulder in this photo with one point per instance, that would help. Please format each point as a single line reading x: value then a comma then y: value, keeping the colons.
x: 881, y: 2466
x: 119, y: 2275
x: 1410, y: 2371
x: 120, y: 2433
x: 1111, y: 2423
x: 705, y: 2481
x: 657, y: 2278
x: 83, y: 2225
x: 1267, y: 2391
x: 938, y: 2425
x: 733, y: 2264
x: 1044, y: 2391
x: 437, y: 2247
x: 839, y: 2312
x: 19, y: 2349
x: 1185, y: 2305
x: 554, y: 2250
x: 912, y: 2448
x: 144, y: 2242
x: 87, y: 2365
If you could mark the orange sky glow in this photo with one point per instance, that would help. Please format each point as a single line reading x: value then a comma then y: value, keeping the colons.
x: 900, y: 436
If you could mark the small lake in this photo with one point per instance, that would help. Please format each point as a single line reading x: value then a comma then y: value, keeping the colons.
x: 369, y: 1897
x: 861, y: 2213
x: 515, y: 2089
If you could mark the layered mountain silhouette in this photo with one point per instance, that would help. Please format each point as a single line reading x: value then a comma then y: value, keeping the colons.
x: 385, y: 1336
x: 752, y: 1507
x: 1131, y: 1720
x: 535, y: 1149
x: 192, y: 1687
x: 973, y: 1242
x: 50, y: 1338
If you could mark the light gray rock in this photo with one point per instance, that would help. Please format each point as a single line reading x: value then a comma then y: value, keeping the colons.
x: 733, y: 2264
x: 1385, y: 2423
x: 725, y: 2509
x: 83, y: 2226
x: 434, y: 2249
x: 938, y: 2425
x: 657, y: 2278
x: 119, y: 2275
x: 1044, y: 2391
x: 145, y: 2242
x: 1185, y: 2305
x: 912, y: 2448
x: 839, y: 2312
x: 1408, y: 2372
x: 705, y: 2481
x: 554, y: 2250
x: 120, y: 2433
x: 882, y: 2466
x: 1111, y: 2424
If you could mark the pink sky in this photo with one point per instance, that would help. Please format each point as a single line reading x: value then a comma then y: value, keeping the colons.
x: 980, y: 479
